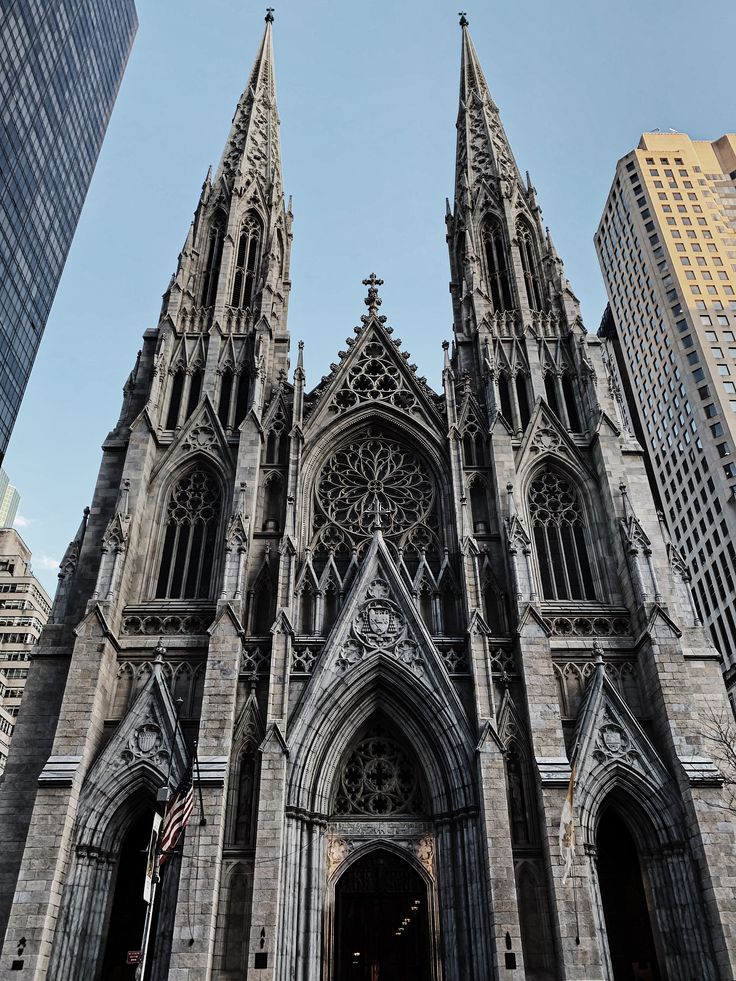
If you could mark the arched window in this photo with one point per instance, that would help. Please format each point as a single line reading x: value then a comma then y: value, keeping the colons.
x: 479, y: 507
x: 379, y: 779
x: 233, y: 399
x: 558, y: 522
x: 246, y: 263
x: 192, y: 521
x: 497, y: 266
x: 241, y: 399
x: 571, y: 403
x: 176, y: 387
x: 211, y: 272
x: 530, y: 266
x: 226, y: 391
x: 522, y: 396
x: 550, y: 390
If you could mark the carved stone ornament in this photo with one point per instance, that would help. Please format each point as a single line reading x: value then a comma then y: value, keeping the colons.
x: 338, y: 850
x: 380, y: 626
x: 547, y: 440
x: 200, y: 438
x: 614, y: 743
x: 424, y: 851
x: 145, y: 742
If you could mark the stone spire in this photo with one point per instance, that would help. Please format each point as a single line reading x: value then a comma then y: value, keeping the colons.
x: 253, y: 149
x: 483, y: 149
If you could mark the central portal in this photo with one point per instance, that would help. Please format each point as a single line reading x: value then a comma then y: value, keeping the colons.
x: 382, y: 922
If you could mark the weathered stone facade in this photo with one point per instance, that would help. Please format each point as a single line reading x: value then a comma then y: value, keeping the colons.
x: 390, y: 618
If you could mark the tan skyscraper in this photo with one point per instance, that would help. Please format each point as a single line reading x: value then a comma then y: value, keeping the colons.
x: 667, y: 247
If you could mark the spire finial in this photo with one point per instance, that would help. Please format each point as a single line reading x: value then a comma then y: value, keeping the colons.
x: 269, y: 15
x: 463, y: 15
x: 373, y: 300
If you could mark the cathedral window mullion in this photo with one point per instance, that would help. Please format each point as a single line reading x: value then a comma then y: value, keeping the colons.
x: 233, y: 400
x: 515, y: 411
x: 561, y: 405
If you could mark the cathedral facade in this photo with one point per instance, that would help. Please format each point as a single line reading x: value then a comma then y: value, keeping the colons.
x: 406, y: 630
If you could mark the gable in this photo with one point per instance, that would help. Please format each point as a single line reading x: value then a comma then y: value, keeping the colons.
x: 379, y: 623
x: 373, y: 372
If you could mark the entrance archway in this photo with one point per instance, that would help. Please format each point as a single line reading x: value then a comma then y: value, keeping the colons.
x: 625, y: 907
x: 128, y: 910
x: 381, y: 921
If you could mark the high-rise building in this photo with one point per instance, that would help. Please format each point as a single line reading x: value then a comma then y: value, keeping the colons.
x: 390, y: 617
x: 24, y: 609
x: 667, y: 247
x: 9, y: 501
x: 61, y: 62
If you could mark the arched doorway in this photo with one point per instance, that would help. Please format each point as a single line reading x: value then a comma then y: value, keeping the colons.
x: 381, y: 921
x: 625, y: 908
x: 128, y: 910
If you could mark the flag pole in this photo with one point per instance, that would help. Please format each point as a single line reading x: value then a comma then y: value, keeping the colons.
x: 202, y: 818
x: 162, y: 797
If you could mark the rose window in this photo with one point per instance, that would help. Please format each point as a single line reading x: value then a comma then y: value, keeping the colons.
x: 374, y: 478
x: 379, y: 779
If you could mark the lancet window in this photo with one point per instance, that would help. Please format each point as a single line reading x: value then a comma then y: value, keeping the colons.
x: 246, y: 263
x: 494, y: 245
x: 559, y: 390
x: 513, y: 393
x: 185, y: 388
x: 530, y: 266
x: 558, y: 519
x: 233, y: 399
x: 192, y: 523
x: 213, y: 260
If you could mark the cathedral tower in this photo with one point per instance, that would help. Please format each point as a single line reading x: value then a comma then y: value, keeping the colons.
x: 390, y: 619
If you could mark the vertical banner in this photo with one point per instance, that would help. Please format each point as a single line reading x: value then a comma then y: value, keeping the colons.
x: 152, y: 859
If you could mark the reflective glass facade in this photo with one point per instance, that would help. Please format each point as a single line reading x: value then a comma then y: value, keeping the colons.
x: 61, y: 62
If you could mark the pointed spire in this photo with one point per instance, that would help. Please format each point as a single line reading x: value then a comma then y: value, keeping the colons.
x: 253, y: 150
x: 483, y: 150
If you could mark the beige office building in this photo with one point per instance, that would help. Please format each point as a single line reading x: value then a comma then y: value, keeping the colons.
x: 24, y: 609
x: 667, y: 247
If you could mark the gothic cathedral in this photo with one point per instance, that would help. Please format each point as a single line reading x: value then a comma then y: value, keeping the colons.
x: 405, y: 629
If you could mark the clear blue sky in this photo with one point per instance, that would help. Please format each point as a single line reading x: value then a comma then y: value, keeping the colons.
x: 368, y: 101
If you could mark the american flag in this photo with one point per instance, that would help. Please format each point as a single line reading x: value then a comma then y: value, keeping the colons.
x: 176, y: 816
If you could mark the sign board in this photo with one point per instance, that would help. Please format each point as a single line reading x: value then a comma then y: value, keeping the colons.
x: 151, y: 862
x: 134, y: 957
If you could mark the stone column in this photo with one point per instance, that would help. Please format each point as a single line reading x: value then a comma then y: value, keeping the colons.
x: 38, y: 893
x: 199, y: 880
x: 504, y: 911
x: 265, y: 936
x: 571, y: 903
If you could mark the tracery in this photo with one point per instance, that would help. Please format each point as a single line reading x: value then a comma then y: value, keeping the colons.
x: 379, y: 779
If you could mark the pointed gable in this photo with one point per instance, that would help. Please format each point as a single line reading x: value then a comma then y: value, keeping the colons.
x: 201, y: 434
x: 379, y: 622
x: 147, y: 749
x: 374, y: 373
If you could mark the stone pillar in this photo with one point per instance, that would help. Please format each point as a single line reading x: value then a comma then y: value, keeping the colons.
x: 199, y: 880
x: 571, y: 903
x: 496, y: 831
x: 45, y: 861
x: 265, y: 939
x: 31, y: 747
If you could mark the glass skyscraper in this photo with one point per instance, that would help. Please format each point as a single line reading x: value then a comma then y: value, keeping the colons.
x: 61, y: 63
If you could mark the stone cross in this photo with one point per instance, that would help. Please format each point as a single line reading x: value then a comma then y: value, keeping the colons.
x: 373, y: 300
x: 376, y: 511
